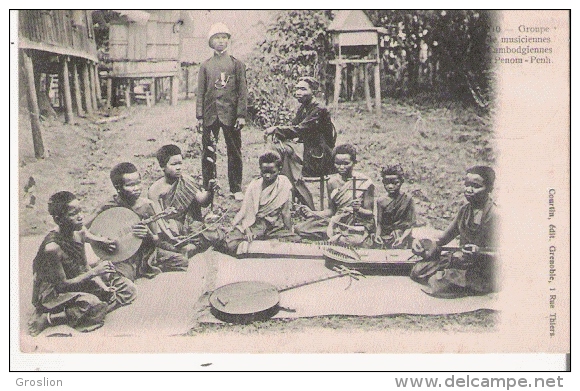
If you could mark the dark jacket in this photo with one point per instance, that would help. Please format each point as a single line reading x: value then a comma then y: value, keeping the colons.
x: 216, y: 100
x: 313, y: 127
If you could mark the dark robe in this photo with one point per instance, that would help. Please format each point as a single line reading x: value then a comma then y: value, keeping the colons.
x: 313, y: 127
x: 85, y: 304
x: 397, y: 216
x: 456, y: 273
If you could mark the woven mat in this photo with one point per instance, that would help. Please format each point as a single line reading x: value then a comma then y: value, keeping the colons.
x: 172, y: 303
x: 369, y: 296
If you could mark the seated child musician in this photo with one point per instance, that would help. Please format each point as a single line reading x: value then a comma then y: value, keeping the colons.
x: 66, y: 290
x: 179, y: 190
x: 265, y: 211
x: 470, y: 270
x: 395, y: 211
x: 151, y: 259
x: 349, y: 219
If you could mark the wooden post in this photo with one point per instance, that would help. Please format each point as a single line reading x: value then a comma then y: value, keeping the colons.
x: 337, y: 84
x: 154, y: 90
x: 33, y: 106
x: 77, y: 88
x: 354, y: 84
x: 109, y: 92
x: 93, y: 82
x: 367, y: 88
x: 322, y: 192
x: 128, y: 90
x: 378, y: 88
x: 174, y: 87
x: 68, y: 110
x: 187, y: 82
x: 87, y: 88
x: 98, y: 85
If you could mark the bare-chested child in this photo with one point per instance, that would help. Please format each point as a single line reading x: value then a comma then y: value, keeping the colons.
x: 395, y: 211
x: 349, y: 218
x: 470, y: 269
x: 179, y: 190
x: 265, y: 211
x: 66, y: 289
x: 151, y: 259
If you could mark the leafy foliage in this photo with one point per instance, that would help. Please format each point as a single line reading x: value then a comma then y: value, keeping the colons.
x: 448, y: 50
x: 296, y: 44
x: 101, y: 26
x: 445, y: 54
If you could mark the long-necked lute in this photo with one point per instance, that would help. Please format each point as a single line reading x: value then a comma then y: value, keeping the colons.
x: 247, y: 301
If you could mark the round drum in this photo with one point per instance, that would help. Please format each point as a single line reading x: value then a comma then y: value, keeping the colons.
x: 116, y: 224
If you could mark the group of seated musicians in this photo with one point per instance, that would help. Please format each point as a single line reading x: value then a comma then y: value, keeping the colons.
x: 67, y: 290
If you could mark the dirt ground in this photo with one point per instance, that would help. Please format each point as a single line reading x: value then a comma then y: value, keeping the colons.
x: 435, y: 143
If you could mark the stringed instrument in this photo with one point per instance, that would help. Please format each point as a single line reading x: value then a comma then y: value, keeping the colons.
x: 117, y: 224
x: 248, y: 301
x: 368, y: 261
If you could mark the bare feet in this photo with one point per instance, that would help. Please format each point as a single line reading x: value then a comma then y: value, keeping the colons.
x: 37, y: 323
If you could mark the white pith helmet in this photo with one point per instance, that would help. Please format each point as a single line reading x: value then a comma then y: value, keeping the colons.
x: 218, y: 28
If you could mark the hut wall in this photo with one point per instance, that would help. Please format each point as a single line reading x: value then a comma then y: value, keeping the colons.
x: 357, y: 38
x: 68, y: 32
x: 146, y: 50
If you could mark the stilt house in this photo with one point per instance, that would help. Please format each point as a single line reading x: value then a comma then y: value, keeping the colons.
x: 58, y: 58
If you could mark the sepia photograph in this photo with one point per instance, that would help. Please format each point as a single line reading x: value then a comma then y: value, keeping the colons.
x: 290, y: 181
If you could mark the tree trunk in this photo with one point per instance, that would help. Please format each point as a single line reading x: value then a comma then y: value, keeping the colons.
x: 33, y: 106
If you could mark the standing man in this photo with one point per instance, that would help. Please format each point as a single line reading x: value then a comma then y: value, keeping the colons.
x: 222, y: 98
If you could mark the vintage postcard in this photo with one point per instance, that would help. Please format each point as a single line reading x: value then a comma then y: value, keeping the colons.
x: 299, y: 181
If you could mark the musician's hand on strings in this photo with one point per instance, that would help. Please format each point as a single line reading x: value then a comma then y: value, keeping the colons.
x: 470, y: 249
x: 305, y: 210
x: 110, y: 288
x: 398, y: 239
x: 141, y: 230
x: 249, y: 235
x: 424, y: 251
x: 417, y: 247
x: 195, y: 240
x: 346, y: 211
x: 103, y: 267
x: 110, y: 244
x: 356, y: 204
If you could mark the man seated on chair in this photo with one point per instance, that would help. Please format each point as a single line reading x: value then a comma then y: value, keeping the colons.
x: 265, y: 211
x: 180, y: 191
x: 349, y: 218
x: 313, y: 127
